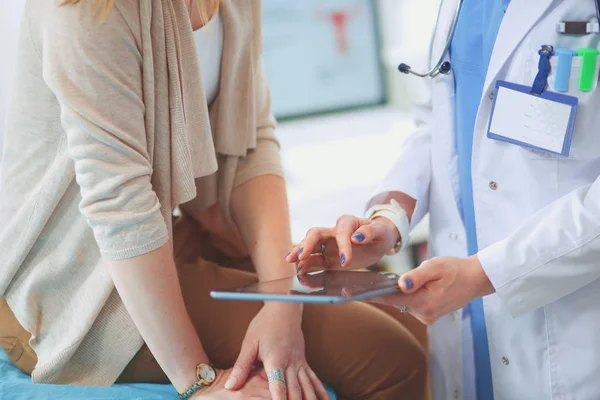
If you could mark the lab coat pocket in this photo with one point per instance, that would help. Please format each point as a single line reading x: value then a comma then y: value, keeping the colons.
x: 585, y: 142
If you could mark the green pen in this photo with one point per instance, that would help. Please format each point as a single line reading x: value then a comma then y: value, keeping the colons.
x: 588, y: 68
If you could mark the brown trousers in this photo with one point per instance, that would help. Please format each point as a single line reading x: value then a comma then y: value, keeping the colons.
x: 363, y: 351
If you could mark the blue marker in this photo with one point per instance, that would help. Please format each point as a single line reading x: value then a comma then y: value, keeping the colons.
x: 563, y: 69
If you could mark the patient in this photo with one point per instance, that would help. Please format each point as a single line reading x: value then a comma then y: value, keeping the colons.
x: 124, y: 111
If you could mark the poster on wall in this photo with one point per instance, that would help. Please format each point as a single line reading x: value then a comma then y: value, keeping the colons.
x: 321, y: 55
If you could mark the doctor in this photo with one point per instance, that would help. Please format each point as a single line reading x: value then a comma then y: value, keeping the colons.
x: 512, y: 292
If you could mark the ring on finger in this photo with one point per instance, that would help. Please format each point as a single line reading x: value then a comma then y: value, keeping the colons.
x: 322, y: 251
x: 403, y: 309
x: 276, y: 375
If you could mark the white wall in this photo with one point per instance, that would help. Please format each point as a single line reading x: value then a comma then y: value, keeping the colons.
x: 406, y: 30
x: 406, y: 26
x: 10, y: 17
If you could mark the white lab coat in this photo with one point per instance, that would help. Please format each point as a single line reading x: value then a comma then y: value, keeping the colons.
x: 538, y: 223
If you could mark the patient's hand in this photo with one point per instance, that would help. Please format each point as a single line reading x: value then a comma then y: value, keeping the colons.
x: 352, y: 243
x: 256, y: 387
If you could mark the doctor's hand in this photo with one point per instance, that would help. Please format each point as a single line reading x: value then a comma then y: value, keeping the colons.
x: 352, y: 243
x: 439, y: 286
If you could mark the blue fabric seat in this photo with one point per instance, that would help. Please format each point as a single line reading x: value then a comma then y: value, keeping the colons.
x: 14, y: 385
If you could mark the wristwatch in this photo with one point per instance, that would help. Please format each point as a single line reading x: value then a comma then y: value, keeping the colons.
x: 206, y: 377
x: 396, y: 214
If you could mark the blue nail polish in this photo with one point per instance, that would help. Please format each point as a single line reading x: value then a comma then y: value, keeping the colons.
x: 359, y: 236
x: 287, y: 255
x: 343, y: 258
x: 300, y: 252
x: 409, y: 283
x: 299, y: 268
x: 343, y: 294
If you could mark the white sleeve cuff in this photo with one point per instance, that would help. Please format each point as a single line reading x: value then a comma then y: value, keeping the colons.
x: 493, y: 262
x: 514, y: 292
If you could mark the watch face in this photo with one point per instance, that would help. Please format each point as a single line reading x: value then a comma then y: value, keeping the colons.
x: 207, y: 373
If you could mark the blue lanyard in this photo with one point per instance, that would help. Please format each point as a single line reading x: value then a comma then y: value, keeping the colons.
x: 541, y: 79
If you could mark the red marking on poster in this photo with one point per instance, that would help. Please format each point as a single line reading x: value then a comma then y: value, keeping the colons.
x: 339, y: 19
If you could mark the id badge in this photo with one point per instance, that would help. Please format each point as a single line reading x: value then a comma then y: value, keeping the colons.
x: 543, y: 122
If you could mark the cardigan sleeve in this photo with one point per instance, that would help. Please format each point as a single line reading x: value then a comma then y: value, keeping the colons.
x: 94, y: 69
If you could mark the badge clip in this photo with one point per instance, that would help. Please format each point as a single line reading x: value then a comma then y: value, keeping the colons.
x: 578, y: 27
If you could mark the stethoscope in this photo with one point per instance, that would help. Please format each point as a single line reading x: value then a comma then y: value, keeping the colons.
x: 444, y: 67
x: 441, y: 66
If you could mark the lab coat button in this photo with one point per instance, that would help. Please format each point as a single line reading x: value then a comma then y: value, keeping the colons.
x: 456, y: 393
x: 505, y: 360
x: 493, y: 185
x: 491, y: 95
x: 453, y: 235
x: 453, y: 315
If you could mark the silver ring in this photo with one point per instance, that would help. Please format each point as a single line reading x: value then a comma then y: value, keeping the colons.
x: 322, y: 249
x: 276, y: 375
x: 403, y: 309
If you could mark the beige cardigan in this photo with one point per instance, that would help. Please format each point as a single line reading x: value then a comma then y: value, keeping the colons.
x: 109, y: 131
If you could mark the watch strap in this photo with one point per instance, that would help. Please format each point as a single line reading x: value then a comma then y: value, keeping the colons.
x: 197, y: 385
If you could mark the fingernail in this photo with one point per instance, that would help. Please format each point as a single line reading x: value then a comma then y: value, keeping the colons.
x: 343, y: 258
x: 300, y: 252
x: 409, y: 283
x: 359, y: 236
x: 299, y: 268
x: 287, y: 255
x: 343, y: 294
x: 230, y: 382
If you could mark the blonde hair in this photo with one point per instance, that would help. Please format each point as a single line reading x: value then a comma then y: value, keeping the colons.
x: 105, y: 7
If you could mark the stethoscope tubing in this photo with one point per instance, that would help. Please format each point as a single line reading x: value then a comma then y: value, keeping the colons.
x: 437, y: 68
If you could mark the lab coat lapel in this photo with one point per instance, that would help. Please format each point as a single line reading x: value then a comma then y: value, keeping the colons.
x: 520, y: 17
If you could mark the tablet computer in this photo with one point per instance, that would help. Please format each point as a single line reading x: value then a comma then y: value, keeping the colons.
x: 326, y: 287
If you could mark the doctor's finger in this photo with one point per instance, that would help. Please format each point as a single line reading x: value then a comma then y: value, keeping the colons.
x: 314, y: 263
x: 370, y: 231
x: 312, y: 243
x: 344, y: 229
x: 428, y: 271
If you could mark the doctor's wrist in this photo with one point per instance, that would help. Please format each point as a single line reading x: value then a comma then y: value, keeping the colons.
x: 393, y: 234
x: 482, y: 286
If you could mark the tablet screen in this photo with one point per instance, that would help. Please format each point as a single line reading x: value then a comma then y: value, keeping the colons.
x: 323, y: 286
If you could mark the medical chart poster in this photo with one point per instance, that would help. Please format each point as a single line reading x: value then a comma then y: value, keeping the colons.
x: 321, y: 55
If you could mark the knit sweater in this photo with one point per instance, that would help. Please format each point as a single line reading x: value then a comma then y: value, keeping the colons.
x: 107, y: 132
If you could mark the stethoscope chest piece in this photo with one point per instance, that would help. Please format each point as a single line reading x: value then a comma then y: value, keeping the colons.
x: 443, y: 69
x: 441, y: 66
